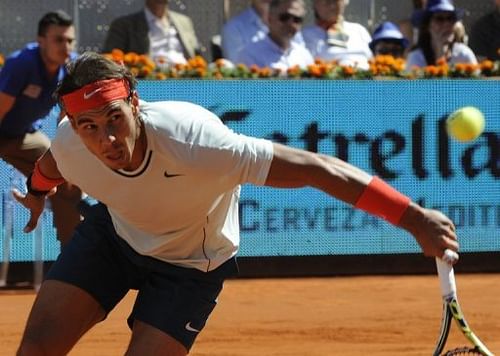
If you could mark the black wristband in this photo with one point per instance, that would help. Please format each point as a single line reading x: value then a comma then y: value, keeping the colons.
x: 37, y: 193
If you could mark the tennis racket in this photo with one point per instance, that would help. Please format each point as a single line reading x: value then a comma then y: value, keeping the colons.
x: 452, y: 310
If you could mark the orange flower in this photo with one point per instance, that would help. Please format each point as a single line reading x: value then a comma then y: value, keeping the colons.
x: 197, y: 62
x: 254, y: 68
x: 265, y: 72
x: 146, y: 61
x: 2, y: 60
x: 348, y: 70
x: 314, y: 70
x: 117, y: 55
x: 293, y: 71
x: 486, y: 65
x: 145, y: 71
x: 131, y: 58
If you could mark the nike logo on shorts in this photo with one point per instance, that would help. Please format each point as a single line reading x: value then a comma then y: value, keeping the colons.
x: 190, y: 328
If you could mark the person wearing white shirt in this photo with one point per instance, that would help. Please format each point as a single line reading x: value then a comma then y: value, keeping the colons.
x: 278, y: 50
x: 332, y: 38
x: 437, y: 38
x: 166, y: 36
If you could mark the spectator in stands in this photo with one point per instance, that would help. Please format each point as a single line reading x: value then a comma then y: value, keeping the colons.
x: 166, y: 36
x: 437, y: 37
x: 388, y: 40
x: 27, y: 82
x: 251, y: 25
x: 278, y: 50
x: 333, y: 38
x: 485, y: 35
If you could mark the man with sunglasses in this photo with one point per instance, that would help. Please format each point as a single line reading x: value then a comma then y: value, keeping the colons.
x: 251, y: 25
x: 27, y: 82
x: 278, y: 50
x: 437, y: 37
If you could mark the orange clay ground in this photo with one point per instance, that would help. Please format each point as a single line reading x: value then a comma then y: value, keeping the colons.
x: 395, y: 315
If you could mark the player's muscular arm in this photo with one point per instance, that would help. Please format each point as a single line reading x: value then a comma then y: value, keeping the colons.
x: 6, y: 103
x: 297, y: 168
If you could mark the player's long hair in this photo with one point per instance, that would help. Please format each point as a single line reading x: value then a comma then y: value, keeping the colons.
x: 88, y: 68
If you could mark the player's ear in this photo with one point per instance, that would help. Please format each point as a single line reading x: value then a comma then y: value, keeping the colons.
x: 134, y: 102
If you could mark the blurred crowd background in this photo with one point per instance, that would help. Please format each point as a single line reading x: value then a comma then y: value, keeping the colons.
x: 18, y: 18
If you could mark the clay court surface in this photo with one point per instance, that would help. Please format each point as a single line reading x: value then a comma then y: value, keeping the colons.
x: 395, y: 315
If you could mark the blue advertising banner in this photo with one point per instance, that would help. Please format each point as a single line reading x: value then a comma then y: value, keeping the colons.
x: 393, y: 129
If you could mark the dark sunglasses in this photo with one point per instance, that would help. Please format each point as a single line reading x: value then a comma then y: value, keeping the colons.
x: 444, y: 18
x: 285, y: 17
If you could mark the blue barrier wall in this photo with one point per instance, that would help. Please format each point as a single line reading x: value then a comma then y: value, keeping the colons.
x: 394, y: 129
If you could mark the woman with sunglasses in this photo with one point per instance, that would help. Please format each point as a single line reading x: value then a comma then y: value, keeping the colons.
x: 437, y: 37
x: 332, y: 38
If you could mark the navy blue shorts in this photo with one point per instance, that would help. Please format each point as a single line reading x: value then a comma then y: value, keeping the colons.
x: 170, y: 298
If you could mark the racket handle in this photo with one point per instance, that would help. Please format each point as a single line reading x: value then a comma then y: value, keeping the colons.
x: 446, y: 274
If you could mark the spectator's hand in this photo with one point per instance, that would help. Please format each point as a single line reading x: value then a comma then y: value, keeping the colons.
x: 433, y: 230
x: 35, y: 204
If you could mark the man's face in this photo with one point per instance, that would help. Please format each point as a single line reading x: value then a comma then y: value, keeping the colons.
x: 286, y: 20
x: 110, y: 133
x: 329, y: 10
x: 57, y: 44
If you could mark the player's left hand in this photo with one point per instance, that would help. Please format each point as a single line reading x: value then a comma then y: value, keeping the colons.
x: 433, y: 230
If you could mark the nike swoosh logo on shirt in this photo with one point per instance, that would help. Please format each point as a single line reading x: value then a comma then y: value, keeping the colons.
x: 190, y: 328
x: 171, y: 175
x: 90, y: 94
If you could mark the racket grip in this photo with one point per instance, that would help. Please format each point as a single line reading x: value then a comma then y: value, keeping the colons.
x: 446, y: 274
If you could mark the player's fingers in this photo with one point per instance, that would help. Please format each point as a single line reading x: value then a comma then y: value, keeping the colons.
x: 18, y: 195
x: 32, y: 223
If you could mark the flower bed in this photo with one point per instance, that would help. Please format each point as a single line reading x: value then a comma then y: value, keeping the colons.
x: 381, y: 67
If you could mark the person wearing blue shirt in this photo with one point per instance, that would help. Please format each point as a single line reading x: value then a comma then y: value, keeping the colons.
x: 278, y: 50
x: 27, y: 82
x: 251, y: 25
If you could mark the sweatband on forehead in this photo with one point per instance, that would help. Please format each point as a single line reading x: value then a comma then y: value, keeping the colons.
x: 95, y: 94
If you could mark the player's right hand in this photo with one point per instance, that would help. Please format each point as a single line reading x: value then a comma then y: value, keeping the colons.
x: 35, y: 204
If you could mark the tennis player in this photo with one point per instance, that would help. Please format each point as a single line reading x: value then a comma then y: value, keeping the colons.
x: 167, y: 176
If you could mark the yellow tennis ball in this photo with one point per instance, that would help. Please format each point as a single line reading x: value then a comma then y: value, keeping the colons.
x: 465, y: 124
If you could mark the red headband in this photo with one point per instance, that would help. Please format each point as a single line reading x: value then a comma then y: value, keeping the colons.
x: 95, y: 94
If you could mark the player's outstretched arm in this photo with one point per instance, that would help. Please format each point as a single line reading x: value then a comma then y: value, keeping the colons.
x: 41, y: 183
x: 292, y: 168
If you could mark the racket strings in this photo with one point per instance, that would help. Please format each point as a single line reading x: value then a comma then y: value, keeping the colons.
x: 463, y: 351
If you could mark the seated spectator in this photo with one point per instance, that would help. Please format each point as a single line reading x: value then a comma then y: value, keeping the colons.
x: 332, y: 38
x: 388, y: 40
x: 485, y: 35
x: 278, y: 50
x: 166, y: 36
x: 251, y: 25
x: 437, y: 37
x: 248, y: 26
